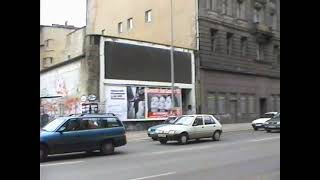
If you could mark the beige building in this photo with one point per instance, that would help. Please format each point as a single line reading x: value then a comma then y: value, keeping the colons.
x: 59, y: 43
x: 146, y: 20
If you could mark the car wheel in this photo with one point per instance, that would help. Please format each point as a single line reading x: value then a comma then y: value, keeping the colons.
x: 198, y: 139
x: 107, y: 148
x: 183, y: 138
x: 256, y: 129
x: 154, y: 138
x: 163, y: 141
x: 216, y: 136
x: 268, y: 130
x: 43, y: 153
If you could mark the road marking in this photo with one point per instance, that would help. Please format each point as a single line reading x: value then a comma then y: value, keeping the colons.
x: 140, y: 139
x: 148, y: 177
x: 64, y: 163
x: 264, y: 139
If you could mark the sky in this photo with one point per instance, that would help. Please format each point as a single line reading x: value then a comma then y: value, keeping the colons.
x: 59, y: 11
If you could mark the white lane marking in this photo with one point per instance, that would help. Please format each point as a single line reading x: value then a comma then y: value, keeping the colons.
x: 264, y: 139
x: 140, y: 139
x: 148, y: 177
x: 64, y: 163
x: 182, y: 149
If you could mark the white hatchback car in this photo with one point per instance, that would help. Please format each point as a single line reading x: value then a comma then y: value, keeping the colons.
x: 259, y: 123
x: 190, y: 127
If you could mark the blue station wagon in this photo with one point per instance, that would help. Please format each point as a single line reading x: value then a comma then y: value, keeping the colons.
x: 87, y: 132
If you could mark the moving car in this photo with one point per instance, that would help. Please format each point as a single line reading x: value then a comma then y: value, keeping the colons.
x: 87, y: 132
x: 273, y: 124
x: 152, y: 130
x: 190, y: 127
x: 259, y: 123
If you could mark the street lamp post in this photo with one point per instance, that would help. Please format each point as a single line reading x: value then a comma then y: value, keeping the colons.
x: 171, y: 56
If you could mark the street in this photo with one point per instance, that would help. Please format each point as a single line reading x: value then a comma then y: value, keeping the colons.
x: 247, y: 155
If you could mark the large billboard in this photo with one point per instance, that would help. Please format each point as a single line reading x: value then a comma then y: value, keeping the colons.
x: 136, y: 103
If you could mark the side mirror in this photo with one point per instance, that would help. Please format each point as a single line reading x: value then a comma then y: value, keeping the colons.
x: 62, y: 129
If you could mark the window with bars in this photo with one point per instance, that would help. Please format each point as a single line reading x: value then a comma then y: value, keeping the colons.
x: 213, y: 34
x: 229, y: 43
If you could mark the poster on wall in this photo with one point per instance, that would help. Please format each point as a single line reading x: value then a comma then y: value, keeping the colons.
x: 116, y: 101
x: 160, y: 103
x: 135, y: 102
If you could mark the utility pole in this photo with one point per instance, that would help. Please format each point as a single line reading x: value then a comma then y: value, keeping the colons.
x: 171, y: 56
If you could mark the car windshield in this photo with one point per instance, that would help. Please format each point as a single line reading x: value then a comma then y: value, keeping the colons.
x: 53, y: 125
x: 267, y: 115
x: 170, y: 120
x: 184, y: 120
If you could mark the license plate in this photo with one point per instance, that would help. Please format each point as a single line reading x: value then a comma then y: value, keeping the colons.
x: 271, y: 126
x: 258, y: 124
x: 161, y: 135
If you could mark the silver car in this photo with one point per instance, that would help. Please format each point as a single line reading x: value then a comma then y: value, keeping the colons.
x: 190, y: 127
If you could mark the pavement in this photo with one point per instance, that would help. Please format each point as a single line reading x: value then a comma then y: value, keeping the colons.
x: 239, y: 155
x: 142, y: 135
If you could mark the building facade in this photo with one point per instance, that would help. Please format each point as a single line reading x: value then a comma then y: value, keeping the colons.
x: 239, y: 58
x: 227, y: 56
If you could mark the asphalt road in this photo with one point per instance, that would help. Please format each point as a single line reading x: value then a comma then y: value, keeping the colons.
x: 246, y: 155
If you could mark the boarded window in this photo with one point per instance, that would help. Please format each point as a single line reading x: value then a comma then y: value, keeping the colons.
x: 251, y: 100
x: 222, y: 104
x: 243, y: 103
x: 212, y: 109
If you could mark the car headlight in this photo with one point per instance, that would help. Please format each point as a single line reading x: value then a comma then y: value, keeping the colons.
x: 149, y: 130
x: 172, y: 132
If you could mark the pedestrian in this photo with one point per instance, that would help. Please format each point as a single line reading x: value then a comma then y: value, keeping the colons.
x: 190, y: 111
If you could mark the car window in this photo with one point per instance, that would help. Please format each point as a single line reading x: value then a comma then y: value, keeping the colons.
x: 91, y: 123
x: 111, y: 122
x: 184, y: 120
x: 208, y: 120
x: 198, y: 121
x: 53, y: 125
x: 72, y: 125
x: 269, y: 115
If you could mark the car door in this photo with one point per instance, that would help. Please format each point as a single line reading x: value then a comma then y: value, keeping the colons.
x: 69, y: 138
x: 209, y: 126
x: 198, y: 128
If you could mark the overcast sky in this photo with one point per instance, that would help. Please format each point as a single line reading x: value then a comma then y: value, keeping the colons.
x: 59, y: 11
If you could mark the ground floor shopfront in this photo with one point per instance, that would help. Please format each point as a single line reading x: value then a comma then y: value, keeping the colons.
x: 238, y: 98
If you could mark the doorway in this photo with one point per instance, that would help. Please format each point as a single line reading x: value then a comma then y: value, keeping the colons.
x: 263, y: 105
x: 233, y: 110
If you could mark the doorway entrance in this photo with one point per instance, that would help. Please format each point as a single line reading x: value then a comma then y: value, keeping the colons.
x: 263, y: 105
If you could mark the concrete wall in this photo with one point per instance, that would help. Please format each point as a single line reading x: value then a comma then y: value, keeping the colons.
x: 106, y: 14
x: 74, y: 43
x: 61, y: 81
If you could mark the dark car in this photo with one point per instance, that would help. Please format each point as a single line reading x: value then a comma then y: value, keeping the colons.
x: 273, y: 124
x: 152, y: 130
x: 88, y: 132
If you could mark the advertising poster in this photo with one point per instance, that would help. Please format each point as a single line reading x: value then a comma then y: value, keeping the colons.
x: 136, y: 102
x: 160, y: 103
x: 116, y: 101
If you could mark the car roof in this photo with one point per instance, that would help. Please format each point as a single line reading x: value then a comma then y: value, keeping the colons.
x: 271, y: 113
x: 93, y: 115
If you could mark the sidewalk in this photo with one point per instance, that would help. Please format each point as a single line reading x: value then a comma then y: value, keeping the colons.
x: 141, y: 135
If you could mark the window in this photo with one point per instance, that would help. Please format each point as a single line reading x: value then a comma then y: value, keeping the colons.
x: 120, y: 30
x: 50, y: 60
x: 229, y: 43
x: 130, y: 23
x: 211, y: 4
x: 148, y: 16
x: 198, y: 121
x: 212, y: 104
x: 221, y: 104
x: 208, y: 120
x: 244, y: 46
x: 113, y: 122
x: 243, y: 104
x: 224, y: 7
x: 72, y: 125
x: 260, y: 51
x: 213, y: 33
x: 251, y: 104
x: 276, y: 54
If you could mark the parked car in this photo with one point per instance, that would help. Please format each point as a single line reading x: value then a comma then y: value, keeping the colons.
x: 273, y: 124
x: 87, y: 132
x: 259, y: 123
x: 190, y: 127
x: 152, y: 130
